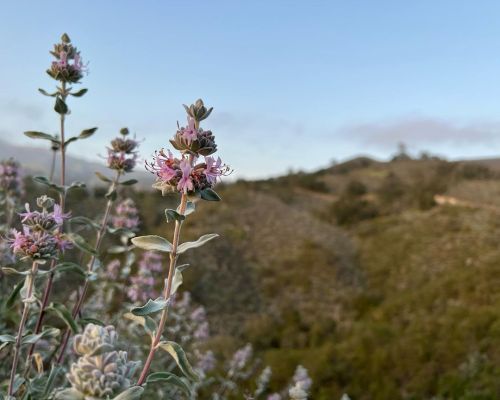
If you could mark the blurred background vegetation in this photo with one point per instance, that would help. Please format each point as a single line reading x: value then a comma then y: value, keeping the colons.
x: 353, y: 271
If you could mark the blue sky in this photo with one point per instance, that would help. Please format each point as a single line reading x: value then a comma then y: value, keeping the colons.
x: 294, y: 84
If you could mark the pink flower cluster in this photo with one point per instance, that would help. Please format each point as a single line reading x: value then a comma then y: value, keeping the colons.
x: 68, y: 65
x: 188, y: 174
x: 10, y: 179
x: 194, y: 140
x: 126, y: 215
x: 43, y: 220
x: 122, y: 155
x: 182, y: 176
x: 63, y: 66
x: 142, y: 285
x: 40, y: 237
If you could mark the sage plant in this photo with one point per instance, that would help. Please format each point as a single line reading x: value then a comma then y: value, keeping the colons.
x: 122, y: 156
x: 191, y: 175
x: 66, y: 69
x: 39, y: 241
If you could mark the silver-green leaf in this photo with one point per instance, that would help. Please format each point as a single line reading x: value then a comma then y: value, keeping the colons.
x: 30, y: 339
x: 69, y: 394
x: 62, y: 312
x: 200, y: 242
x: 132, y: 393
x: 177, y: 280
x: 178, y: 354
x: 169, y: 378
x: 146, y: 322
x: 152, y: 242
x: 40, y: 135
x: 151, y: 307
x: 82, y: 244
x: 172, y: 215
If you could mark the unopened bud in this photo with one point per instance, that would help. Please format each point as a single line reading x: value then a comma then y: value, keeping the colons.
x: 198, y: 111
x: 65, y: 38
x: 45, y: 202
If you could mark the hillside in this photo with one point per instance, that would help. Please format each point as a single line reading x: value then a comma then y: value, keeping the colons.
x: 355, y: 272
x: 37, y: 160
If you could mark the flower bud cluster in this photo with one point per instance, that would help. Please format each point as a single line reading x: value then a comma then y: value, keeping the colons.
x: 185, y: 174
x: 10, y: 179
x: 40, y: 237
x: 142, y: 285
x: 194, y: 140
x: 101, y: 371
x: 126, y: 215
x: 68, y: 65
x: 122, y: 155
x: 178, y: 175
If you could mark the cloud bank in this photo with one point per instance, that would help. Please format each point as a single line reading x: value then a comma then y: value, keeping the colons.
x: 423, y: 132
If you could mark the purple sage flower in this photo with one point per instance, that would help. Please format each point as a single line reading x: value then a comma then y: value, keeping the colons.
x: 143, y: 284
x: 185, y: 183
x: 126, y: 215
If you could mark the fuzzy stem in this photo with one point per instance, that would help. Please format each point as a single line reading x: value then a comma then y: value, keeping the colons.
x: 62, y: 197
x: 81, y: 298
x: 166, y: 292
x: 64, y: 94
x: 53, y: 165
x: 17, y: 349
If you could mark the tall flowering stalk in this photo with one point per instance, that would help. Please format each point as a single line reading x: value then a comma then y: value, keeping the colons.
x: 122, y: 157
x: 192, y: 179
x: 67, y: 69
x: 39, y: 241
